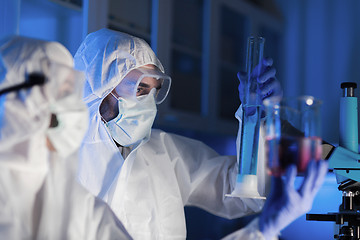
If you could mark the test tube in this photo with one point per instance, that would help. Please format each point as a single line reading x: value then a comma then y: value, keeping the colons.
x: 246, y: 185
x: 251, y: 108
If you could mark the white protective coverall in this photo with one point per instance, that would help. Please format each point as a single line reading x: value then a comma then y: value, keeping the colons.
x: 39, y: 195
x: 148, y: 190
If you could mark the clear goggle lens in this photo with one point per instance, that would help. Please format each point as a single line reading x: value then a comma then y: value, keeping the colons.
x: 140, y: 81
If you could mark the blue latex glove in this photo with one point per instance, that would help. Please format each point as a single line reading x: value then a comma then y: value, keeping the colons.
x: 269, y: 86
x: 285, y: 203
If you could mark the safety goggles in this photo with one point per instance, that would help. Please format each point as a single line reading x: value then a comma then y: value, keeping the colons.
x: 32, y: 79
x: 140, y: 81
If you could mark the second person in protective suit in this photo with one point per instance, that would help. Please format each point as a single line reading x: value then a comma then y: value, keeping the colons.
x: 43, y: 121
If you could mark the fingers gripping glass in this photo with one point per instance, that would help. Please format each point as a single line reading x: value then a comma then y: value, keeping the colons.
x: 141, y: 81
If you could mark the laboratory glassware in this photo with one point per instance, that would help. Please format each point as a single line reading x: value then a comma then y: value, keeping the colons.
x: 251, y: 111
x: 293, y: 133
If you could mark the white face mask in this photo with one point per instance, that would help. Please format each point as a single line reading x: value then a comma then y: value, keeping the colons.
x: 134, y: 121
x: 67, y: 136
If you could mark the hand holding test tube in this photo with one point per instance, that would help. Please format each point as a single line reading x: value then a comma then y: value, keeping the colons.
x: 257, y: 84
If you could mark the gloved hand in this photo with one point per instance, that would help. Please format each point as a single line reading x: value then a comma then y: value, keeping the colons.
x: 285, y: 204
x: 269, y: 86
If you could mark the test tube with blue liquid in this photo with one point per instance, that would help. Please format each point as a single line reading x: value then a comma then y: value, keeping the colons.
x: 246, y: 185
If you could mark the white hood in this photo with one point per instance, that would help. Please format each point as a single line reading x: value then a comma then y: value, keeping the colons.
x: 39, y: 195
x: 106, y: 57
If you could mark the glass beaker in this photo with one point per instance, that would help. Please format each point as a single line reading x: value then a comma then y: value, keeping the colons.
x: 251, y: 107
x: 293, y: 133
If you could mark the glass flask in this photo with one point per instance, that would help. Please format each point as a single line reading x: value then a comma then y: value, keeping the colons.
x: 293, y: 133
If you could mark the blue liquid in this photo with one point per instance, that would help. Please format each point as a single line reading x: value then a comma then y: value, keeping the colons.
x: 249, y: 139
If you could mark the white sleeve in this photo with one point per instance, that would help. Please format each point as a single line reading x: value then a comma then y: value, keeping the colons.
x: 205, y: 177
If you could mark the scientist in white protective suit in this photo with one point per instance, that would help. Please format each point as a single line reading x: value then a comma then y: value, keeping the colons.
x: 42, y: 122
x: 147, y: 176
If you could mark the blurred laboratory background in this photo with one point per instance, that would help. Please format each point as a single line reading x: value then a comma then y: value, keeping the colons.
x: 315, y: 45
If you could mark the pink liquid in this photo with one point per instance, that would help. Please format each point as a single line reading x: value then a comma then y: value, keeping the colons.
x: 290, y: 150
